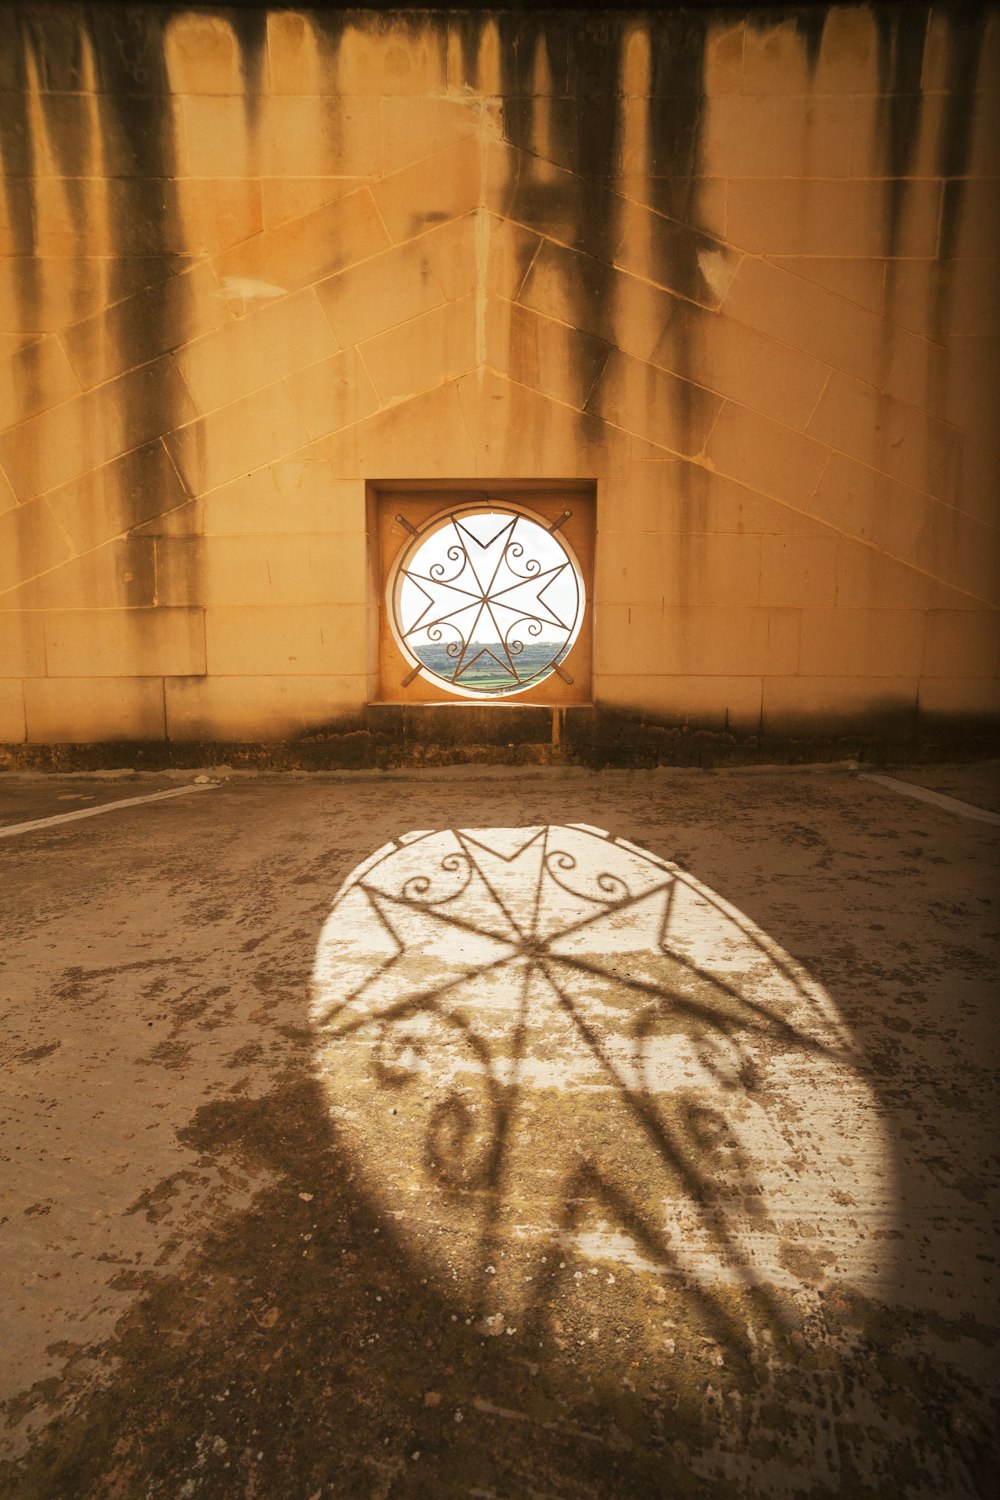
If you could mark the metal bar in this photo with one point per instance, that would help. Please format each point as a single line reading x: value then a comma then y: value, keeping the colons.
x: 410, y: 676
x: 561, y: 672
x: 560, y: 521
x: 406, y: 526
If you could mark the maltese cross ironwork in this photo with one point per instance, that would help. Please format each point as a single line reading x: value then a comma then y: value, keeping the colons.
x: 489, y: 602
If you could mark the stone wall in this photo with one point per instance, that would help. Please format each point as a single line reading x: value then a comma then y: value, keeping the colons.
x: 737, y: 269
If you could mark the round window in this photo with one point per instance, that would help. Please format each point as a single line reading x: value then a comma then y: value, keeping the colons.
x: 486, y: 600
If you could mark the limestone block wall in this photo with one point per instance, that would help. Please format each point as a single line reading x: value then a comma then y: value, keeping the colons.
x: 738, y: 269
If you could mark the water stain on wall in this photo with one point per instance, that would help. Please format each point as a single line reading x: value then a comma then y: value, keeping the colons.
x: 603, y: 119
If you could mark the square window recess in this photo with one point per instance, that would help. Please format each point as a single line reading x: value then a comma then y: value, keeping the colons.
x: 484, y: 592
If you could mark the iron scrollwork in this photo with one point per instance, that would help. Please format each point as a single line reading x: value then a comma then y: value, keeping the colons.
x: 487, y: 600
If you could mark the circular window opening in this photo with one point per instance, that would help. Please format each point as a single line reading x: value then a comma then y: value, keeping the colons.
x: 486, y: 600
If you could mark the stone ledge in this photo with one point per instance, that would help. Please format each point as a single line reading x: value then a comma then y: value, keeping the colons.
x: 475, y: 722
x: 394, y: 736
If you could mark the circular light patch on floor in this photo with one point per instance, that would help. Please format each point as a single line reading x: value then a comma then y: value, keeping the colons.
x: 558, y: 1055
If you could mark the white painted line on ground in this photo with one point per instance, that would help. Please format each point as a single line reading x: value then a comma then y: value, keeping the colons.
x: 91, y: 812
x: 936, y: 799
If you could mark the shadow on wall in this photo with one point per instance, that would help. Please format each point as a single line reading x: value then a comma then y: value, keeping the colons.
x: 561, y: 1212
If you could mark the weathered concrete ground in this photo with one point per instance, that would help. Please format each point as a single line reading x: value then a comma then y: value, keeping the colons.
x: 701, y: 1202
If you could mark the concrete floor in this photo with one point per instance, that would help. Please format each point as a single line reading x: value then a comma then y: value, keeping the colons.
x: 644, y: 1161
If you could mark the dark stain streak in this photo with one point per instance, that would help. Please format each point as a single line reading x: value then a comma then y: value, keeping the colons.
x: 468, y: 29
x: 18, y: 160
x: 250, y: 30
x: 141, y: 121
x: 675, y: 114
x: 902, y: 36
x: 810, y: 25
x: 809, y: 18
x: 965, y: 38
x: 580, y: 126
x: 69, y: 148
x: 135, y: 126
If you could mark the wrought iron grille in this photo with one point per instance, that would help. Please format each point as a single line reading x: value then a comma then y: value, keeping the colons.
x: 487, y: 600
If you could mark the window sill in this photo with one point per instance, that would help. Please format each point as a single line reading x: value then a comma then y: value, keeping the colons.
x: 470, y: 721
